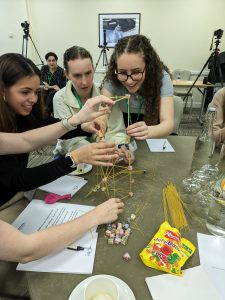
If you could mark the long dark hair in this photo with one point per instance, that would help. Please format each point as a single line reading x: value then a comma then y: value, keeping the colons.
x: 150, y: 89
x: 14, y: 67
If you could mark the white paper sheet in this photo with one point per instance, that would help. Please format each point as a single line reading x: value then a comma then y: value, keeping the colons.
x: 193, y: 285
x: 211, y: 253
x: 211, y: 250
x: 159, y: 145
x: 217, y: 277
x: 38, y: 215
x: 64, y: 185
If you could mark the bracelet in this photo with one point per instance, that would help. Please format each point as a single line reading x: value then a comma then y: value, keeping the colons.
x: 74, y: 164
x: 67, y: 125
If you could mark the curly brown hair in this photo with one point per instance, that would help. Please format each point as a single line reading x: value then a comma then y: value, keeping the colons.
x: 14, y: 67
x: 154, y: 67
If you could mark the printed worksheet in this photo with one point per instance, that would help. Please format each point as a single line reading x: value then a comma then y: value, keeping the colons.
x: 37, y: 216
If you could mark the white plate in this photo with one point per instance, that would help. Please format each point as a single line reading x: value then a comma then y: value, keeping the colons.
x: 82, y: 169
x: 124, y: 290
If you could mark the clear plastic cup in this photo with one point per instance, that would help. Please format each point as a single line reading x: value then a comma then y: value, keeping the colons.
x: 216, y: 216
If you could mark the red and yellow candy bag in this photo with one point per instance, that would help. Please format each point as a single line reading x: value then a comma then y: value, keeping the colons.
x: 167, y: 251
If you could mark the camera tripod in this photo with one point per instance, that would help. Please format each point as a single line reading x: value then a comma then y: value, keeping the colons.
x: 26, y: 37
x: 103, y: 52
x: 214, y: 58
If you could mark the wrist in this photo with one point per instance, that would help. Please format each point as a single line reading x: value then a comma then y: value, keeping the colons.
x: 68, y: 124
x: 79, y: 119
x: 149, y: 135
x: 75, y: 120
x: 94, y: 221
x: 73, y: 161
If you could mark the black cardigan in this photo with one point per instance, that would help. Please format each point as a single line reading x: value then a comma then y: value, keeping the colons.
x: 16, y: 177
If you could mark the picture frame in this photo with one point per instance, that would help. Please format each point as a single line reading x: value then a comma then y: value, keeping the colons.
x: 114, y: 26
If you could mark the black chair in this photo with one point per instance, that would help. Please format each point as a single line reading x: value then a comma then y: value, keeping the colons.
x: 214, y: 77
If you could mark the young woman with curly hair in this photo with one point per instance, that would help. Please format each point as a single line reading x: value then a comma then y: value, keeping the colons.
x: 136, y: 69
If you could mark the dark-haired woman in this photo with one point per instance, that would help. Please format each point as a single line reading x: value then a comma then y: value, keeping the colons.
x: 79, y: 69
x: 21, y: 109
x: 136, y: 69
x: 53, y: 78
x: 23, y: 248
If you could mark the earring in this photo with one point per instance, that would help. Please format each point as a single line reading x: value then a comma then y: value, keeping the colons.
x: 4, y: 99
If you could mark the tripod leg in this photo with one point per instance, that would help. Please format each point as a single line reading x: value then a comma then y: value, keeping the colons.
x: 36, y: 50
x: 98, y: 60
x: 103, y: 58
x: 106, y: 59
x: 23, y: 47
x: 186, y: 96
x: 26, y: 46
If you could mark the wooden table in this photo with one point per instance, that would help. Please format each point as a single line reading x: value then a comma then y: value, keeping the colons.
x: 199, y: 85
x: 160, y: 168
x: 188, y: 83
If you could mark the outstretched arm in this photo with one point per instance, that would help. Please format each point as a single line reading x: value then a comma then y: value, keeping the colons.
x: 15, y: 176
x: 19, y: 247
x: 28, y: 141
x: 11, y: 143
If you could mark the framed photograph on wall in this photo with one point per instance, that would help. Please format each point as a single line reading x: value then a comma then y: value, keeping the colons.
x: 113, y: 27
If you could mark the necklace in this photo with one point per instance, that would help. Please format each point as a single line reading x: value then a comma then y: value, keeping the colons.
x: 50, y: 77
x: 139, y: 109
x: 142, y: 100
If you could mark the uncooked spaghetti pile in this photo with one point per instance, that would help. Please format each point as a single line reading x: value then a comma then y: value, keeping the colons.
x: 173, y: 207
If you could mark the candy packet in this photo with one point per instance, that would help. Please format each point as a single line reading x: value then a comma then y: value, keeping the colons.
x: 167, y: 251
x: 219, y: 188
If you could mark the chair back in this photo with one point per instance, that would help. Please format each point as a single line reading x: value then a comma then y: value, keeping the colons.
x: 178, y: 113
x: 184, y: 74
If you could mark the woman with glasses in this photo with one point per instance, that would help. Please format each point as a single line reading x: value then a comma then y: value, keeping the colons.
x: 136, y: 69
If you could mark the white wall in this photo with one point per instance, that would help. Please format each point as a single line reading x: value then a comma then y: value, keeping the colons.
x: 12, y: 13
x: 181, y: 31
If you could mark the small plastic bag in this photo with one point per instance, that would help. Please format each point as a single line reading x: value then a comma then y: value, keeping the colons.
x: 167, y: 251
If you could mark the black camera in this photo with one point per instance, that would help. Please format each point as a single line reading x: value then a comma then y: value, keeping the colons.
x: 25, y: 25
x: 218, y: 33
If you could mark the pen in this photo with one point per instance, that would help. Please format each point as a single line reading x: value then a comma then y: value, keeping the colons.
x: 164, y: 145
x: 79, y: 248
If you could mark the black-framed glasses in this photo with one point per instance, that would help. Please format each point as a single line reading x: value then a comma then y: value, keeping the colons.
x: 135, y: 76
